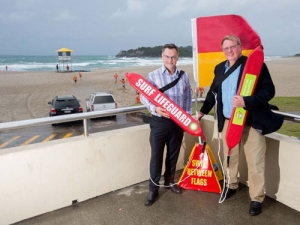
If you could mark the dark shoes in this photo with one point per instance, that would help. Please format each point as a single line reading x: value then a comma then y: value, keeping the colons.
x: 174, y: 188
x: 151, y: 198
x: 228, y: 192
x: 255, y: 208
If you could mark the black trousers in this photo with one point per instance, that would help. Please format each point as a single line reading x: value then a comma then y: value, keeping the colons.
x: 164, y: 132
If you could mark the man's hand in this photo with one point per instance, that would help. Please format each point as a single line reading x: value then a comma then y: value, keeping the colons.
x: 163, y: 112
x: 238, y: 101
x: 199, y: 115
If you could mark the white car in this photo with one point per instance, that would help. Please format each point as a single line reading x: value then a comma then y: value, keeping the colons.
x: 100, y: 101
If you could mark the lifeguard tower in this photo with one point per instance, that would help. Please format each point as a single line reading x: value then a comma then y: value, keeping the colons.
x: 64, y: 59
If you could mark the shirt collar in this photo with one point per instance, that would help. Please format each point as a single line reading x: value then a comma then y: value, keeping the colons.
x: 165, y: 71
x: 227, y: 65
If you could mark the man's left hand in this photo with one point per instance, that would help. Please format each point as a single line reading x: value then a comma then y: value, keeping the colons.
x: 238, y: 101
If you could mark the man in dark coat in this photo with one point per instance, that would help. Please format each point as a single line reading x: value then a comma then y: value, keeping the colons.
x: 260, y: 120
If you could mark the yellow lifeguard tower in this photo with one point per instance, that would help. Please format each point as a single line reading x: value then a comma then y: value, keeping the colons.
x: 64, y: 57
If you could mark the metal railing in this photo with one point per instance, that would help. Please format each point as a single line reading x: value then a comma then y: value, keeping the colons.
x: 289, y: 116
x: 88, y: 115
x: 69, y: 118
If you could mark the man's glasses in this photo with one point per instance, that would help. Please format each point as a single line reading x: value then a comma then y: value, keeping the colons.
x: 227, y: 49
x: 170, y: 57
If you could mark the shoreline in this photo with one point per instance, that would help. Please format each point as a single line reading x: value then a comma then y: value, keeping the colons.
x: 25, y: 95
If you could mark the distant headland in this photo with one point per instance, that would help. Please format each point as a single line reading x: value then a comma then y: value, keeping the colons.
x: 153, y: 52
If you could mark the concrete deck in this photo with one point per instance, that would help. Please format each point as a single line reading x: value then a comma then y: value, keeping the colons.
x: 126, y: 206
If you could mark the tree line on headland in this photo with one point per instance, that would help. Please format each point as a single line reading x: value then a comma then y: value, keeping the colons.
x: 153, y: 52
x: 156, y: 52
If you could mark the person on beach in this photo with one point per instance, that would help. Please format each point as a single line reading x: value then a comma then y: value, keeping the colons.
x: 6, y: 68
x: 260, y: 120
x: 164, y: 131
x: 67, y: 67
x: 75, y: 79
x: 57, y: 67
x: 116, y: 77
x: 200, y: 91
x: 80, y: 75
x: 123, y: 84
x: 138, y: 97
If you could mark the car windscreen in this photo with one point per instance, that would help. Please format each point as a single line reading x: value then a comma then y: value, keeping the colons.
x: 103, y: 99
x: 71, y: 103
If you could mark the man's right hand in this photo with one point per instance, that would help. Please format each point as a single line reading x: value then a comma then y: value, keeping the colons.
x: 163, y: 112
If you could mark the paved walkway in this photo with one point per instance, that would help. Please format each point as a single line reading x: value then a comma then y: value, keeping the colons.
x: 126, y: 206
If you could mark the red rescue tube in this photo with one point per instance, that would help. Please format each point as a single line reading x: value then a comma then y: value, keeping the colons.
x: 177, y: 114
x: 247, y: 86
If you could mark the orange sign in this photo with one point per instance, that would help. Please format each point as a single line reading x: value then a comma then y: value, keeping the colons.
x: 200, y: 173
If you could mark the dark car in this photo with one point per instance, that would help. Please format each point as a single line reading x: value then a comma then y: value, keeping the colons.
x: 64, y: 105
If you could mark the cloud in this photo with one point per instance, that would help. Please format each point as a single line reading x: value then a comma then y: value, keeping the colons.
x: 133, y: 8
x: 64, y: 16
x: 175, y: 8
x: 15, y: 17
x: 124, y: 24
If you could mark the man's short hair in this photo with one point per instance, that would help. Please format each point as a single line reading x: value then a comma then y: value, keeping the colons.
x: 170, y: 46
x: 231, y: 38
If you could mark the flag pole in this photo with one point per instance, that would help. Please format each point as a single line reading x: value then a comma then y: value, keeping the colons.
x: 195, y: 59
x: 195, y: 65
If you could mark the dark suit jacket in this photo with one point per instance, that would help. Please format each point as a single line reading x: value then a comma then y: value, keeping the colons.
x: 259, y: 114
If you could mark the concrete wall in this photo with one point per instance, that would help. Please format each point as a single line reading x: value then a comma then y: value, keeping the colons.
x: 282, y: 165
x: 43, y: 177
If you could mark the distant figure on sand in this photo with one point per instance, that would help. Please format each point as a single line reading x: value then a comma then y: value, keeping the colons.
x: 80, y: 75
x: 75, y: 78
x: 200, y: 90
x: 67, y: 67
x: 138, y: 97
x: 6, y: 68
x: 116, y: 78
x: 57, y: 67
x: 123, y: 84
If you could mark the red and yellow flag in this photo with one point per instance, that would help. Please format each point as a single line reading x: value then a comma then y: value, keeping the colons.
x: 208, y: 33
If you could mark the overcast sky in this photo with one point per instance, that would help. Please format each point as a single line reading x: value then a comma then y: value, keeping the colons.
x: 104, y: 27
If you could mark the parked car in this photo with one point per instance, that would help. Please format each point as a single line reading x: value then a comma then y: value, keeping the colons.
x: 64, y: 105
x: 100, y: 101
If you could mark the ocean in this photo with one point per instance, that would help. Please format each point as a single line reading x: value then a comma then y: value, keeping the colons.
x: 48, y: 63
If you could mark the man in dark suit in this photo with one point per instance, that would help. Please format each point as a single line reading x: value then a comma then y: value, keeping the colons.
x: 260, y: 120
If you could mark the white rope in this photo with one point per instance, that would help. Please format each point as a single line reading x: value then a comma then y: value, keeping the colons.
x: 220, y: 160
x: 192, y: 173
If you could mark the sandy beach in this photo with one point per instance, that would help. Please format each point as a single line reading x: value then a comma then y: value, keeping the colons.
x: 25, y: 95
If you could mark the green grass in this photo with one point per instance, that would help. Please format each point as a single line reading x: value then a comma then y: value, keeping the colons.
x: 290, y: 129
x: 287, y: 104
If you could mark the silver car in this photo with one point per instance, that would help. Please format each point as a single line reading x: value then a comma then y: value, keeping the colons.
x: 100, y: 101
